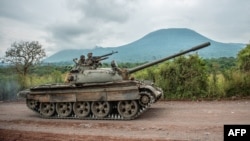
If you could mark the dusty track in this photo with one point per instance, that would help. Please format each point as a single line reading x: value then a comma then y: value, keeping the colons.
x: 199, y: 121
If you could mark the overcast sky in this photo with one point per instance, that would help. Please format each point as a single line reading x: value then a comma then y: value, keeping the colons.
x: 64, y: 24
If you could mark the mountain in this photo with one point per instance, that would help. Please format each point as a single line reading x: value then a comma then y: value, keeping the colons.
x: 156, y: 45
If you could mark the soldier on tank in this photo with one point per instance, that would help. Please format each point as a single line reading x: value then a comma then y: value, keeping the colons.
x: 82, y: 60
x: 89, y: 60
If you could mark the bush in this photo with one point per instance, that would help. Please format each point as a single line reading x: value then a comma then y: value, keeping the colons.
x: 182, y: 78
x: 237, y: 83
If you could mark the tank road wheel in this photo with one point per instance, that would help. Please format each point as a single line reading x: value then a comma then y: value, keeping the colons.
x: 64, y: 109
x: 100, y: 108
x: 144, y: 99
x: 47, y: 109
x: 32, y: 104
x: 81, y: 109
x: 128, y: 109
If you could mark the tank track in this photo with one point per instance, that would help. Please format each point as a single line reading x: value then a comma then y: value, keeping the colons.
x: 112, y: 116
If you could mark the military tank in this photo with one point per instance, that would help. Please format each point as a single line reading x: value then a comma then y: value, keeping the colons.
x: 92, y: 92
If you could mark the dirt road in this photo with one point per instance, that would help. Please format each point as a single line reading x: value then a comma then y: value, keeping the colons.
x: 171, y: 120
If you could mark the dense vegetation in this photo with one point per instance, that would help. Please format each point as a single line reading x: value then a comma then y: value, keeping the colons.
x: 186, y: 77
x: 194, y: 78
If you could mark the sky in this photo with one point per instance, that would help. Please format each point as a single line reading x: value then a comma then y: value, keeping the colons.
x: 81, y: 24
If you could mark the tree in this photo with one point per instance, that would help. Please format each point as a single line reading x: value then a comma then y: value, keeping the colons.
x: 243, y: 59
x: 24, y: 55
x: 184, y: 77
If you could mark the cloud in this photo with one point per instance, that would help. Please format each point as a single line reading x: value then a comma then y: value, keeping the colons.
x: 27, y: 11
x: 68, y: 31
x: 224, y: 20
x: 64, y: 24
x: 13, y: 9
x: 95, y: 22
x: 103, y: 11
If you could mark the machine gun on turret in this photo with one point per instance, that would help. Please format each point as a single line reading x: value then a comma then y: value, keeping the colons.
x: 96, y: 59
x: 105, y: 55
x: 92, y: 62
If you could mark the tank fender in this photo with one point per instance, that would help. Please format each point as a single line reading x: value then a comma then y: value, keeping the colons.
x: 23, y: 94
x: 157, y: 92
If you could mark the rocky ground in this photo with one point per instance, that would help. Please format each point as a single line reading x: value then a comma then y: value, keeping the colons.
x: 165, y: 120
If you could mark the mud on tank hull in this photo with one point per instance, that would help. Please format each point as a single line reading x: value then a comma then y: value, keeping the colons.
x: 123, y: 100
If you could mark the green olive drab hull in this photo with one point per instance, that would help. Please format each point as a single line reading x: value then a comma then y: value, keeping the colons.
x: 120, y: 100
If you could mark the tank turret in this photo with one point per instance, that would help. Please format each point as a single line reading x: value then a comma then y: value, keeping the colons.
x: 91, y: 73
x: 88, y: 71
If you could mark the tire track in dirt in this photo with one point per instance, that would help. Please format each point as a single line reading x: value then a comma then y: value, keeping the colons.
x: 171, y: 120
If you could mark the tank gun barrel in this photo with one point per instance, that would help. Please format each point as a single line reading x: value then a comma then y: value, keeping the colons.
x: 100, y: 59
x: 108, y: 54
x: 129, y: 71
x: 103, y: 57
